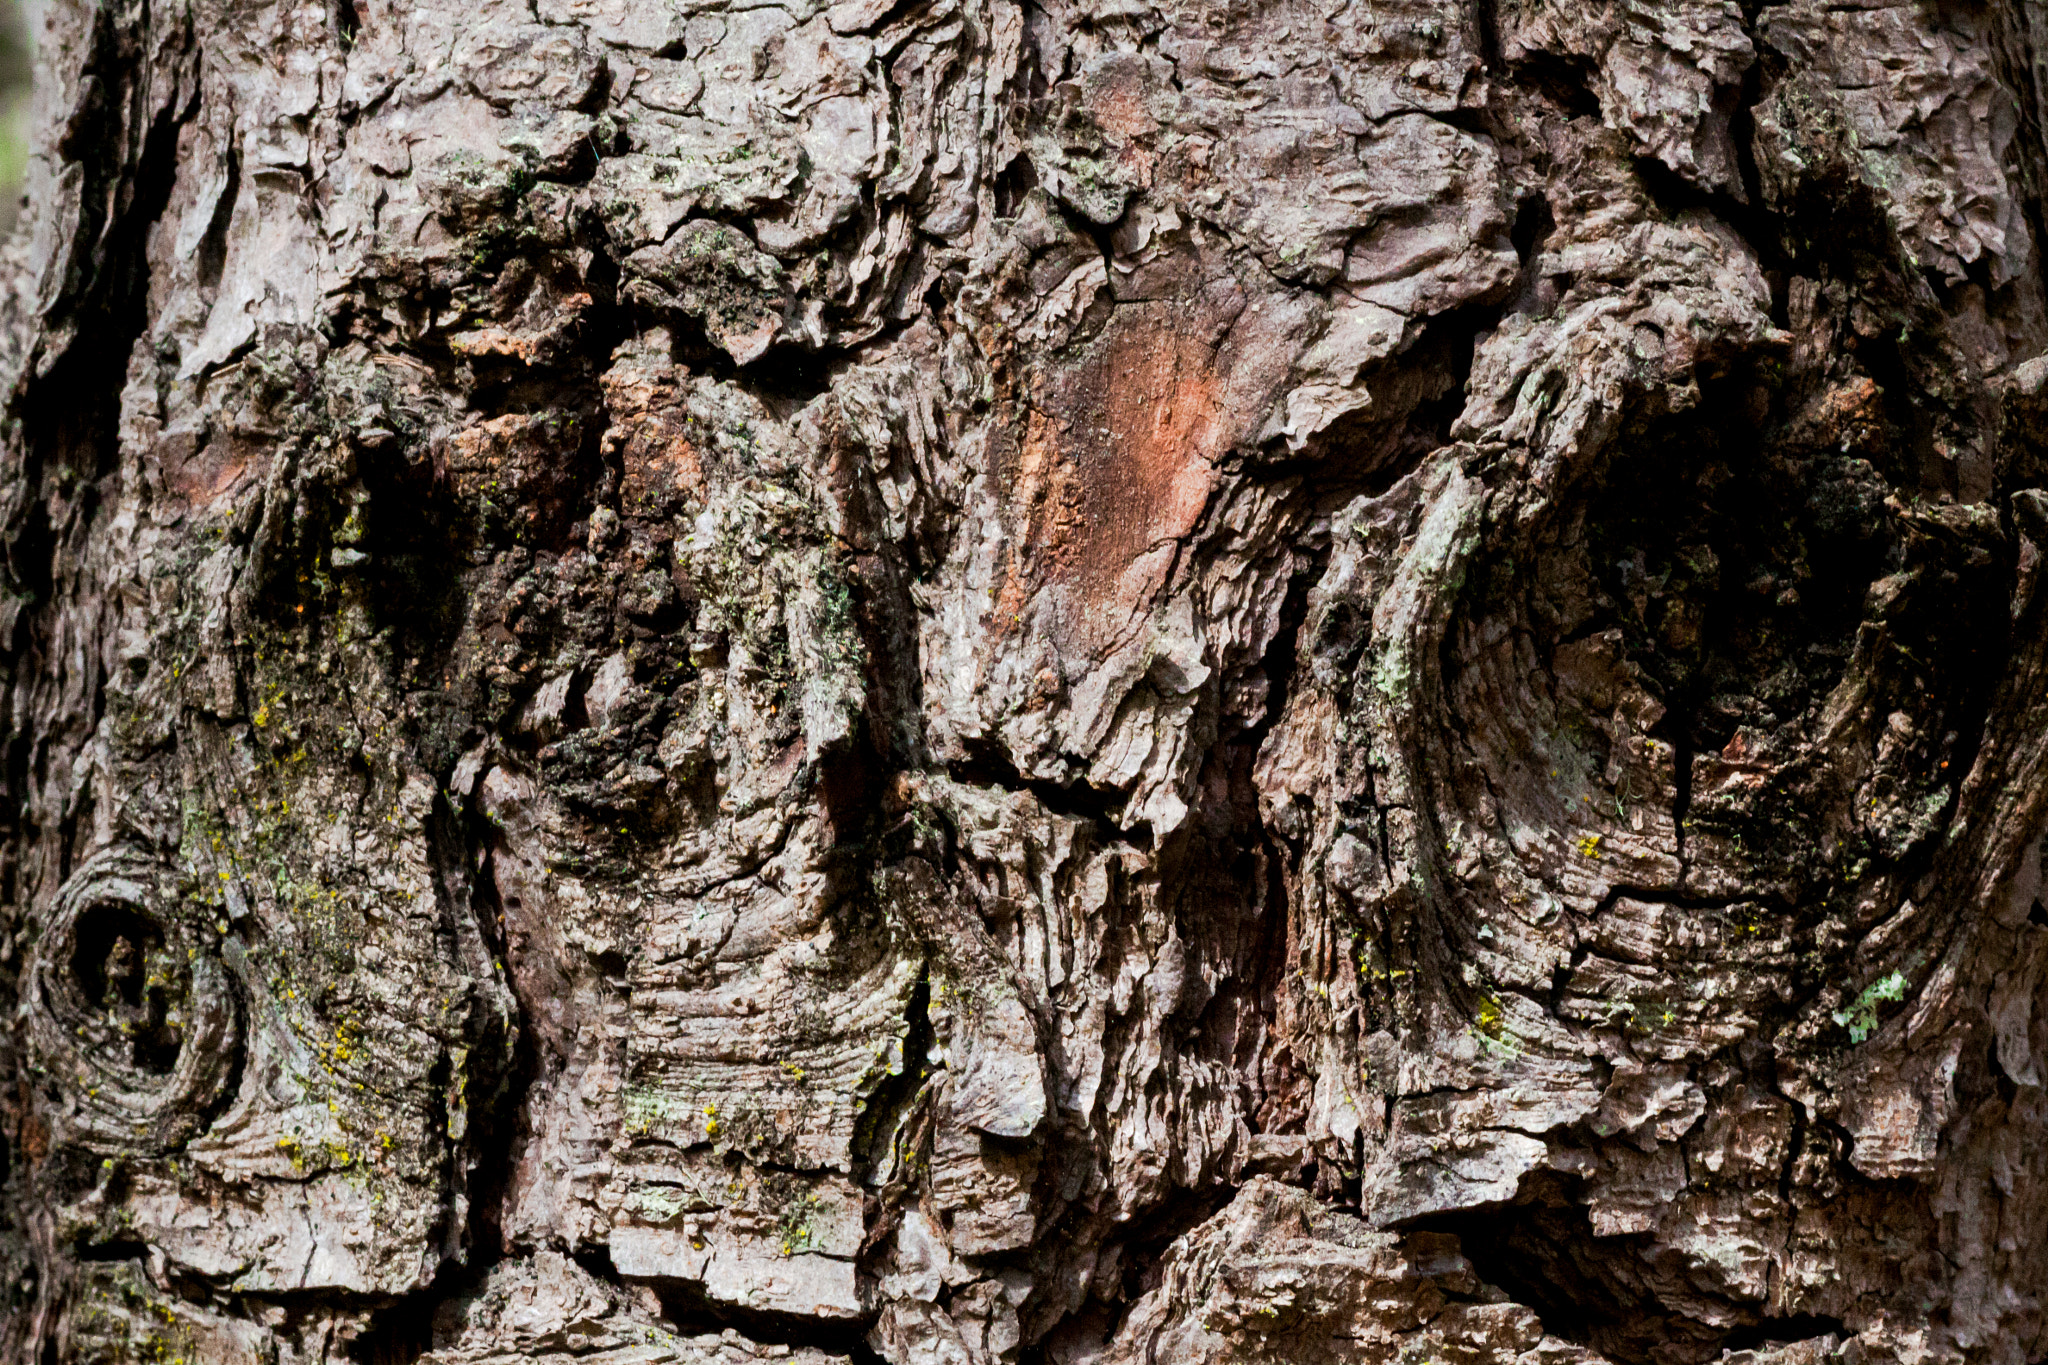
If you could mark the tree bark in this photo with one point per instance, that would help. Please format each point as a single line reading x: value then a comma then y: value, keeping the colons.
x: 982, y: 683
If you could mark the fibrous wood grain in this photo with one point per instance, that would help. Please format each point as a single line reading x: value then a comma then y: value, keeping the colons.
x: 983, y: 683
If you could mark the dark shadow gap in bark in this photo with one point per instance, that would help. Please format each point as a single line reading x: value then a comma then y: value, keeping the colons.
x: 987, y: 765
x: 1781, y: 1332
x: 1530, y: 232
x: 1683, y: 751
x: 1566, y: 80
x: 1448, y: 346
x: 1139, y: 1248
x: 124, y: 1251
x: 1486, y: 18
x: 1417, y: 398
x: 788, y: 378
x: 238, y: 995
x: 1673, y: 195
x: 1591, y: 1291
x: 691, y: 1313
x: 881, y: 1113
x: 213, y: 247
x: 495, y: 1124
x: 1013, y: 184
x: 400, y: 1332
x: 70, y: 415
x: 1763, y: 75
x: 1268, y: 969
x: 1145, y: 1239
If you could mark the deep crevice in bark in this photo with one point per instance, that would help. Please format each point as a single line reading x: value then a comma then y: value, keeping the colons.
x: 1593, y: 1291
x: 1754, y: 567
x: 987, y: 765
x: 694, y: 1314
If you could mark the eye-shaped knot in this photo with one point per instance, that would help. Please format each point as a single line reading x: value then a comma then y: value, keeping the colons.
x: 130, y: 1008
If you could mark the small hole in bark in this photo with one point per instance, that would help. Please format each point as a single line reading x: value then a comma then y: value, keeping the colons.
x: 1533, y: 225
x: 109, y: 947
x: 1018, y: 179
x: 113, y: 948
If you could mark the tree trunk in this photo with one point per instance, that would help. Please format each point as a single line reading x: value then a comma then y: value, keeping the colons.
x: 1027, y: 684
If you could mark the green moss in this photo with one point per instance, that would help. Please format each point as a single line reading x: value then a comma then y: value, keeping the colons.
x: 1860, y: 1017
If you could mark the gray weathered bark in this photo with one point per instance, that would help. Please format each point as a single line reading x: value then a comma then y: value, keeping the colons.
x: 1079, y: 681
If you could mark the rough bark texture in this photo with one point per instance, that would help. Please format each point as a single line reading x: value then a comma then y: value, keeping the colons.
x: 1079, y: 682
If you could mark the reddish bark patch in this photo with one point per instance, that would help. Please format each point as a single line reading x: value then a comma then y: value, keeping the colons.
x: 201, y: 475
x: 1118, y: 459
x: 660, y: 469
x: 525, y: 464
x: 1848, y: 417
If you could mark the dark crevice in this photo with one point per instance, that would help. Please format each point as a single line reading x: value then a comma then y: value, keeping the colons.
x: 112, y: 956
x: 2007, y: 1088
x: 881, y: 1113
x: 1674, y: 195
x: 495, y: 1125
x: 1800, y: 1130
x: 1561, y: 980
x: 787, y: 379
x: 69, y: 415
x: 1486, y: 17
x: 692, y: 1313
x: 1681, y: 782
x: 230, y: 1089
x: 504, y: 1065
x: 1596, y: 1292
x: 401, y: 1331
x: 1534, y: 223
x: 1267, y: 974
x: 110, y: 1252
x: 1014, y: 185
x: 987, y: 765
x: 1564, y: 79
x: 1145, y: 1239
x: 213, y: 247
x: 1417, y: 398
x: 1781, y: 1332
x: 1763, y: 72
x: 109, y: 948
x: 1102, y: 234
x: 1283, y: 655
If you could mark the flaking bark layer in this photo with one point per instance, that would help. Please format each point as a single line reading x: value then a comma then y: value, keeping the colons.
x: 1026, y: 682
